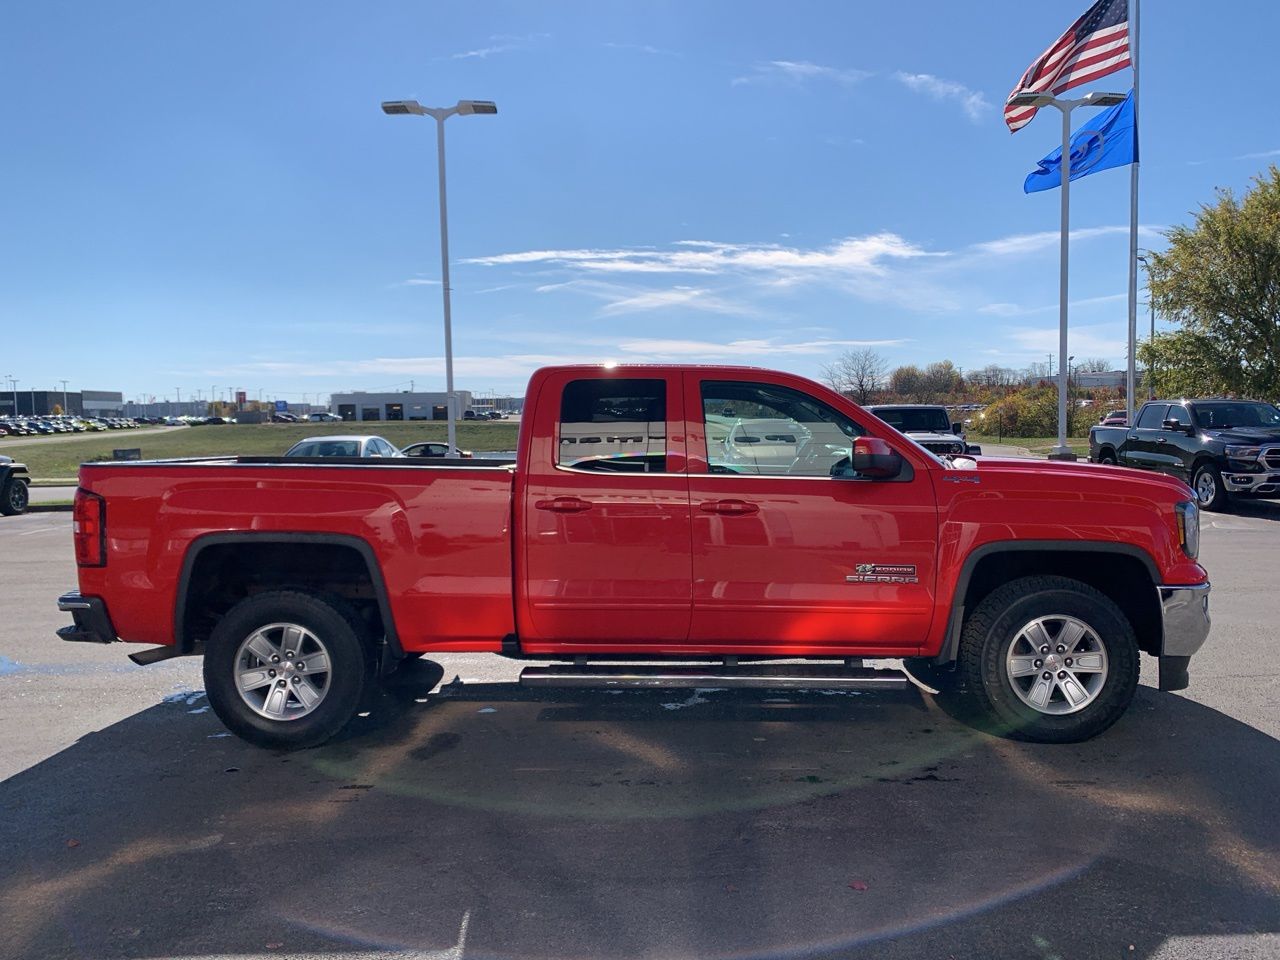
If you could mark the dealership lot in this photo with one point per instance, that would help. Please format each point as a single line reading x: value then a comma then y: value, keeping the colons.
x: 488, y: 821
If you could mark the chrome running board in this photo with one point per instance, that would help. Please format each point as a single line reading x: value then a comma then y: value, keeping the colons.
x: 758, y: 676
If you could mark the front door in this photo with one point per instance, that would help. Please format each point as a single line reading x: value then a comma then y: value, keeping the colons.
x: 787, y: 557
x: 606, y: 517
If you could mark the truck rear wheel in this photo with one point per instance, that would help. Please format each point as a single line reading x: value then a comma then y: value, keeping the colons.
x: 1047, y: 659
x: 286, y: 669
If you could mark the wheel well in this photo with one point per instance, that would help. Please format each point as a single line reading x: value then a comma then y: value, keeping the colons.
x: 223, y: 574
x: 1122, y: 577
x: 1105, y: 449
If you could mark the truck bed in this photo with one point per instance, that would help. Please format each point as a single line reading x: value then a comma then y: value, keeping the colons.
x: 440, y: 533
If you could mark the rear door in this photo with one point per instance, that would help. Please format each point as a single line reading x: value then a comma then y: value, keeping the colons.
x: 788, y: 559
x: 605, y: 515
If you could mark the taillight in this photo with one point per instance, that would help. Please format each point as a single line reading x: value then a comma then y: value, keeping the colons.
x: 90, y: 525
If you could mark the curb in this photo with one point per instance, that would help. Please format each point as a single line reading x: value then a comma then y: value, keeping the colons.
x: 49, y: 508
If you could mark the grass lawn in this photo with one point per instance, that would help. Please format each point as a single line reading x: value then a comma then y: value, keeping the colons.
x: 1040, y: 446
x: 54, y: 458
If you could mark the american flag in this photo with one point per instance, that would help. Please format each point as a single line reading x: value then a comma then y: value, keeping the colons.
x: 1095, y: 45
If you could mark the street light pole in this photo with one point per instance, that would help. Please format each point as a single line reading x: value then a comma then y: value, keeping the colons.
x: 65, y: 411
x: 440, y: 115
x: 1062, y: 451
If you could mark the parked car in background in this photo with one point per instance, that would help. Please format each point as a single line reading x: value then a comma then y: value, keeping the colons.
x: 343, y: 447
x: 928, y: 425
x: 1220, y: 448
x: 1114, y: 418
x: 323, y: 418
x: 432, y: 448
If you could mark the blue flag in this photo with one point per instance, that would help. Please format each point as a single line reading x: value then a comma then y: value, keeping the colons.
x: 1107, y: 139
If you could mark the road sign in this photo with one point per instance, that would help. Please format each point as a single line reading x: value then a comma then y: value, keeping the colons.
x: 282, y: 406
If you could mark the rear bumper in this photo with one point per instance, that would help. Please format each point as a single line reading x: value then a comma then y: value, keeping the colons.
x: 92, y: 623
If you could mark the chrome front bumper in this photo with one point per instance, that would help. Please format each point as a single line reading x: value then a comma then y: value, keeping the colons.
x: 1185, y: 615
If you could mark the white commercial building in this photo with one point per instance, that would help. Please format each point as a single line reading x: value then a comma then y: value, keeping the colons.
x: 358, y: 405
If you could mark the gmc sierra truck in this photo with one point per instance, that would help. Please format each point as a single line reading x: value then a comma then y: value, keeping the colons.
x: 1220, y: 448
x: 660, y: 525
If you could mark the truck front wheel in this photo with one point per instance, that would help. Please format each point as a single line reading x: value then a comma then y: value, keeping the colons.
x: 13, y: 497
x: 1047, y: 659
x: 1207, y: 483
x: 286, y: 669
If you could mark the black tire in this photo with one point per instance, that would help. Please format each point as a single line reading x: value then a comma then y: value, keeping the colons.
x: 14, y: 498
x: 1209, y: 490
x: 333, y: 623
x: 983, y: 684
x: 1108, y: 457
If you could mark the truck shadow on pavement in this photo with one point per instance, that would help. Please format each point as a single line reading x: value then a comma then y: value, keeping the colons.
x: 490, y: 821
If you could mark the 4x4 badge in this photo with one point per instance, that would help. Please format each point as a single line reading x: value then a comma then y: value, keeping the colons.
x: 883, y: 573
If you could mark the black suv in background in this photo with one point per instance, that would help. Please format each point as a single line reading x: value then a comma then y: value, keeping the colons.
x: 1220, y: 448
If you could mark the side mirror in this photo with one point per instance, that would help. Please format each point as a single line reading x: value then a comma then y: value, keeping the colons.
x: 874, y: 459
x: 1177, y: 426
x: 957, y: 428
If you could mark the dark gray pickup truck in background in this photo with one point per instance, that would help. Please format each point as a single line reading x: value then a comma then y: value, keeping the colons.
x: 14, y: 481
x: 1220, y: 448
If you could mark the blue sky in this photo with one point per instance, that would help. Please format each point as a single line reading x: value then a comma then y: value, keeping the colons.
x: 202, y: 195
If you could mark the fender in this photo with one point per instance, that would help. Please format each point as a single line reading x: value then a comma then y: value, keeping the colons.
x: 184, y: 644
x: 955, y: 620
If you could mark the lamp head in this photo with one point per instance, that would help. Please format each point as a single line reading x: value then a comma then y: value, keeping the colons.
x: 1029, y: 98
x: 399, y: 107
x: 1104, y: 99
x: 467, y: 107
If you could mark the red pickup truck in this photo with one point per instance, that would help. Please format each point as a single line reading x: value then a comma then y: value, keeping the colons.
x: 661, y: 525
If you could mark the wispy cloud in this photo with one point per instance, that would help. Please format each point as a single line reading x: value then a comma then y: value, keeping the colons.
x: 1027, y: 243
x: 865, y: 255
x: 1015, y: 310
x: 1260, y: 155
x: 641, y: 48
x: 501, y: 43
x: 798, y: 72
x: 974, y: 104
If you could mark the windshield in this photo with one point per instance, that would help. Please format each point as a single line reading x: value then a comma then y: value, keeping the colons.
x: 1220, y: 415
x: 326, y: 448
x: 915, y: 419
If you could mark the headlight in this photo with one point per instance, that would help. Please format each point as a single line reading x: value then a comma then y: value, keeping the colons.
x: 1243, y: 453
x: 1189, y: 528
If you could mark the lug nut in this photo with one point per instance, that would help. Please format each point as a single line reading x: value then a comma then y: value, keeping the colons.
x: 289, y: 653
x: 297, y: 679
x: 1068, y: 661
x: 280, y: 683
x: 271, y: 673
x: 1045, y: 648
x: 1038, y: 664
x: 1062, y: 674
x: 300, y: 665
x: 1061, y: 648
x: 275, y: 659
x: 1048, y: 675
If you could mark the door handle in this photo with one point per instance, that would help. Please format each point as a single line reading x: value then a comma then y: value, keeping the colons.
x: 1161, y: 440
x: 1133, y: 436
x: 729, y: 508
x: 563, y: 505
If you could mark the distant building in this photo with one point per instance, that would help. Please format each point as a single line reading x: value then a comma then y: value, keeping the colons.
x: 165, y: 408
x: 41, y: 403
x: 358, y: 405
x: 1105, y: 380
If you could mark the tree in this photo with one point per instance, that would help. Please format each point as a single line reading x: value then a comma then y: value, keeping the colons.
x: 1092, y: 365
x: 906, y: 381
x: 1220, y: 282
x: 858, y: 374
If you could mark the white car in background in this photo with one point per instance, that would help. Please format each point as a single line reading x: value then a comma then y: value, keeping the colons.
x: 343, y: 447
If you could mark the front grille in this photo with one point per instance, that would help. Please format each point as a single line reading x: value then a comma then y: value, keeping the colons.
x: 944, y: 449
x: 1271, y: 457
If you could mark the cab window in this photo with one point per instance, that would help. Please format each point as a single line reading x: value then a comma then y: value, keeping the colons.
x: 1179, y: 413
x: 1152, y: 416
x: 759, y: 429
x: 613, y: 426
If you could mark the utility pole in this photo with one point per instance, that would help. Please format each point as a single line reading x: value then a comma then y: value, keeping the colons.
x: 65, y: 411
x: 1051, y: 366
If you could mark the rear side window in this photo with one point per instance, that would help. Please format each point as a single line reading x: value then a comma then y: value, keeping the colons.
x: 1152, y: 416
x: 614, y: 426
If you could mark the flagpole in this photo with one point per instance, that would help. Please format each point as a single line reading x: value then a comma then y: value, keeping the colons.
x: 1062, y: 451
x: 1131, y: 374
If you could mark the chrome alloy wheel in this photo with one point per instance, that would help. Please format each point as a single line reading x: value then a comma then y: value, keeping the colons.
x: 1206, y: 487
x: 1057, y: 665
x: 282, y: 671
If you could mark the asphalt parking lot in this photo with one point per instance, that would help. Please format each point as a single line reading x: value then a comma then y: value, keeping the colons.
x: 486, y: 821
